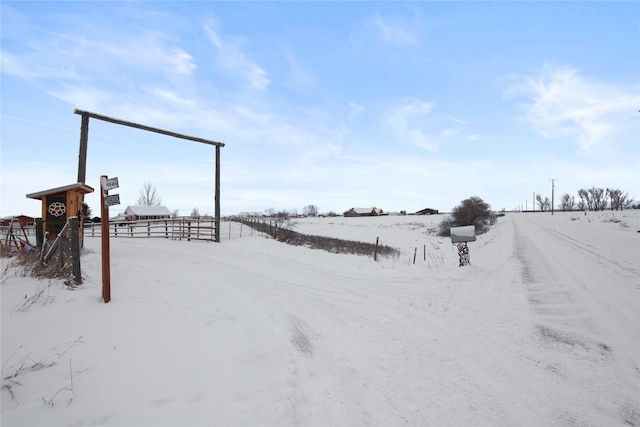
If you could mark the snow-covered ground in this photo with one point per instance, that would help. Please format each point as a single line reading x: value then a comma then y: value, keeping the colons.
x: 543, y: 328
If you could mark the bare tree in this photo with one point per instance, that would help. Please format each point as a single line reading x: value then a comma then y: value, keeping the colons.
x: 619, y: 199
x: 614, y: 196
x: 585, y: 199
x: 598, y: 197
x: 149, y: 196
x: 86, y: 213
x: 195, y: 213
x: 567, y: 202
x: 543, y: 204
x: 310, y: 210
x: 625, y: 201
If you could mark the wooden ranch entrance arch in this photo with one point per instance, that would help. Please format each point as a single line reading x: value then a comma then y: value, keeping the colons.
x: 84, y: 139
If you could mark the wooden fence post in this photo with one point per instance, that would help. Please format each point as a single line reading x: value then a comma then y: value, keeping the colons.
x: 61, y: 255
x: 375, y: 253
x: 74, y: 238
x: 39, y: 234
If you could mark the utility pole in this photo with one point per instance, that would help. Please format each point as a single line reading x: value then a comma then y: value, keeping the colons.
x: 553, y: 187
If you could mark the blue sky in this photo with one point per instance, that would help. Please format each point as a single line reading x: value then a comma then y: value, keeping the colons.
x: 398, y: 105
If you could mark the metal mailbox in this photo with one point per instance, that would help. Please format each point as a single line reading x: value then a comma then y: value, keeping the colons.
x: 463, y: 234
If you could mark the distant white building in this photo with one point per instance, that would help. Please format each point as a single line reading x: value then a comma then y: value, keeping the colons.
x: 133, y: 213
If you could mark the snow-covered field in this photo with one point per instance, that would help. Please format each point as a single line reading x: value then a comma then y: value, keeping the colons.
x: 543, y: 329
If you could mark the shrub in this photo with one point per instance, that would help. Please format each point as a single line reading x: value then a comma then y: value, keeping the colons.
x: 472, y: 211
x: 444, y: 228
x: 332, y: 244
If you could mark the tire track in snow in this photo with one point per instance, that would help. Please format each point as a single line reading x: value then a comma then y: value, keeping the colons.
x: 395, y: 355
x: 333, y: 379
x: 386, y: 336
x: 568, y: 316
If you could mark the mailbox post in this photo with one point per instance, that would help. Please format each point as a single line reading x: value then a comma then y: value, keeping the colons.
x: 459, y: 237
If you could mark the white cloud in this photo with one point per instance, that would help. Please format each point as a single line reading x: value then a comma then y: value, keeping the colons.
x: 416, y: 122
x: 298, y: 76
x: 355, y: 109
x: 232, y: 58
x: 559, y: 102
x: 64, y: 57
x: 172, y: 97
x: 396, y: 33
x: 408, y: 122
x: 149, y: 49
x: 29, y: 66
x: 85, y: 98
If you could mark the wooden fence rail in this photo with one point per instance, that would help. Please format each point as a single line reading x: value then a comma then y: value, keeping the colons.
x: 179, y: 228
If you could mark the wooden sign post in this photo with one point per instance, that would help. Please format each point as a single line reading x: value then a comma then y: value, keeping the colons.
x: 106, y: 200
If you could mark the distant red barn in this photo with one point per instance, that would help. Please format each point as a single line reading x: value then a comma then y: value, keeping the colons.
x: 25, y: 221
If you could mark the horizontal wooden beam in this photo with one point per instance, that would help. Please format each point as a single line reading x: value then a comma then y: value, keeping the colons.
x: 147, y: 128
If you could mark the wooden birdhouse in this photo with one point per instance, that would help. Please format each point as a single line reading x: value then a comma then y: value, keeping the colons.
x: 59, y: 204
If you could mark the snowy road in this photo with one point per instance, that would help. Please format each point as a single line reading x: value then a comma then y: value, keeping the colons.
x: 582, y: 284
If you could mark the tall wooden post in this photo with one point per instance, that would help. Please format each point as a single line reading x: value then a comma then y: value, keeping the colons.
x: 104, y: 227
x: 82, y: 154
x: 82, y: 159
x: 217, y: 208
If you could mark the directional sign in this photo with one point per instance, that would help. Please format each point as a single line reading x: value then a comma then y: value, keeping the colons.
x: 111, y: 199
x: 109, y: 184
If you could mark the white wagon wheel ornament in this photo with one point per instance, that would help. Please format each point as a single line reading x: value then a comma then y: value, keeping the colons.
x: 57, y: 209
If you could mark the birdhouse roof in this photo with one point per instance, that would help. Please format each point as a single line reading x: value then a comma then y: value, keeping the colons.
x: 81, y: 187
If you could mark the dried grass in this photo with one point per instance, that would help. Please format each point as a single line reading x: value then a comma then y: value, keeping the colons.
x: 29, y: 265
